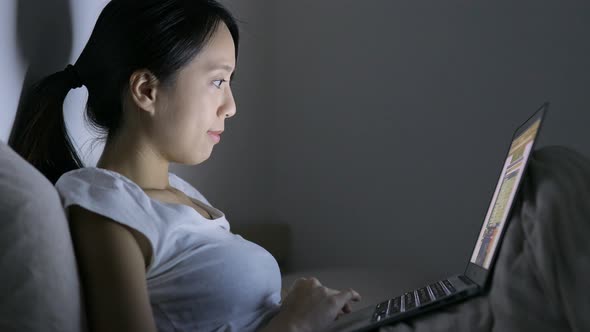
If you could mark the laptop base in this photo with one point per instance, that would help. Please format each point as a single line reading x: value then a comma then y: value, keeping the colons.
x: 407, y: 305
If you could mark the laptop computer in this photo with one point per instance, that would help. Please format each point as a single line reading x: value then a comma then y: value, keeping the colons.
x: 476, y: 278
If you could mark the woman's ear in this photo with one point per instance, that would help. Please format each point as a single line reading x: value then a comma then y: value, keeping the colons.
x: 143, y: 88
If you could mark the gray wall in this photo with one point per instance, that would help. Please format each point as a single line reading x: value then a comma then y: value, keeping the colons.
x: 375, y: 129
x: 393, y: 118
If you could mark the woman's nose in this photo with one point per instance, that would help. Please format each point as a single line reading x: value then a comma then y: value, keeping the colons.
x: 228, y: 108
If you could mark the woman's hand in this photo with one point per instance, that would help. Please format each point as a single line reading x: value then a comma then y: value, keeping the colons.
x: 310, y: 307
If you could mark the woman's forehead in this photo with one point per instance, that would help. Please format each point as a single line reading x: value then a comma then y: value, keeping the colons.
x: 219, y: 52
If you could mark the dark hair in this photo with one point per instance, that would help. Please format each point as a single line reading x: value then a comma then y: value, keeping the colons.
x: 161, y: 36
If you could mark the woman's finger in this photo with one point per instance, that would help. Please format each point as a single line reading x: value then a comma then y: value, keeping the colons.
x: 347, y: 308
x: 346, y: 296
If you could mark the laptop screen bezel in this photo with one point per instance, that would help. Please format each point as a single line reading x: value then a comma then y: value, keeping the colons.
x: 477, y: 273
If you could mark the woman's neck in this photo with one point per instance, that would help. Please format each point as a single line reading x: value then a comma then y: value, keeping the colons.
x: 136, y: 160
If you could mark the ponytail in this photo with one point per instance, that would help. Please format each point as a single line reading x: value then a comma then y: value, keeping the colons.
x: 39, y: 132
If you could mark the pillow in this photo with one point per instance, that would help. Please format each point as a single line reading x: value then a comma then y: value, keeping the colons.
x: 39, y: 284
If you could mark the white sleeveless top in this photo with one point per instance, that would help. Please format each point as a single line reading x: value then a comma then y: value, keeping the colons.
x: 201, y: 276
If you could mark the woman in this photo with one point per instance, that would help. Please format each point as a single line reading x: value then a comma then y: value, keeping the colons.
x: 153, y: 253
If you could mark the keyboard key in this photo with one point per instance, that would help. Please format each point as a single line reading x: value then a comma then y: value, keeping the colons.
x: 381, y: 308
x: 449, y: 286
x: 395, y: 306
x: 377, y: 318
x: 437, y: 290
x: 423, y: 295
x: 380, y: 311
x: 409, y: 301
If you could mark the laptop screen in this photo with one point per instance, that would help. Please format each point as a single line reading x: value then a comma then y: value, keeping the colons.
x: 504, y: 194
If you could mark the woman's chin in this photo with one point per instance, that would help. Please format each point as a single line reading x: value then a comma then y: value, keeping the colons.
x: 199, y: 158
x: 193, y: 157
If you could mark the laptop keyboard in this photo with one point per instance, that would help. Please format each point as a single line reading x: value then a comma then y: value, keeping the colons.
x: 413, y: 299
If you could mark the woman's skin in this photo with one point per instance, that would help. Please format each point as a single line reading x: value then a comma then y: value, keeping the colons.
x: 164, y: 124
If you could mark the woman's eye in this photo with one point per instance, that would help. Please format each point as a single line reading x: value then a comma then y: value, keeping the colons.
x: 219, y: 83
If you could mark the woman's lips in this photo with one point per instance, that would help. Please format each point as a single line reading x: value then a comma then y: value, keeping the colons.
x: 215, y: 135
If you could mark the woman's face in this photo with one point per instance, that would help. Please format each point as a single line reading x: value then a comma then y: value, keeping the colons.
x: 197, y: 104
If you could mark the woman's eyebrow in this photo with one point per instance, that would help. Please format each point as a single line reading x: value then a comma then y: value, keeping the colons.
x: 225, y: 67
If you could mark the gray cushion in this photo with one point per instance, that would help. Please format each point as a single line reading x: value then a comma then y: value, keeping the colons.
x: 39, y: 285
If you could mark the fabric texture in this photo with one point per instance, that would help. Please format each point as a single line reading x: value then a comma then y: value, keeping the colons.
x: 39, y: 285
x: 201, y: 277
x: 541, y: 275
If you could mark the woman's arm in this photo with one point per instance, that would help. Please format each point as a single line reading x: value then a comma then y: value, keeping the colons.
x: 112, y: 261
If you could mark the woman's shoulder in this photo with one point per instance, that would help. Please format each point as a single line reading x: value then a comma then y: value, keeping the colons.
x: 84, y: 174
x: 99, y: 186
x: 94, y: 176
x: 111, y: 195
